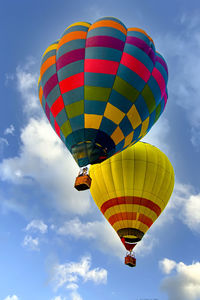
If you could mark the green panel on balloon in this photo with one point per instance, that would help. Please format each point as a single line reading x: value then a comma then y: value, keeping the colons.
x: 97, y: 93
x: 75, y: 109
x: 66, y: 128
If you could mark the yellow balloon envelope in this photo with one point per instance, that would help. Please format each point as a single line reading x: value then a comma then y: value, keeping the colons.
x: 132, y: 188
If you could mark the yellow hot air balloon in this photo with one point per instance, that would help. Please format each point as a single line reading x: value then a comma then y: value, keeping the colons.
x: 131, y: 189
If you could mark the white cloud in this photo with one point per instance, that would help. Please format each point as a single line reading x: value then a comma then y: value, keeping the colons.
x: 26, y: 80
x: 78, y: 229
x: 146, y: 245
x: 27, y: 86
x: 31, y: 243
x: 72, y: 286
x: 184, y: 283
x: 96, y: 275
x: 3, y: 143
x: 185, y: 205
x: 9, y: 77
x: 75, y: 296
x: 191, y: 212
x: 100, y: 232
x: 104, y: 237
x: 70, y: 274
x: 167, y: 265
x: 37, y: 225
x: 44, y: 159
x: 9, y: 130
x: 14, y: 297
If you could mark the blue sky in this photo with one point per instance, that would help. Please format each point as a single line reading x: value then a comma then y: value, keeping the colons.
x: 54, y: 243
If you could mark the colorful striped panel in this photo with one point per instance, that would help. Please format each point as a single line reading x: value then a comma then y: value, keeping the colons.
x: 131, y: 200
x: 124, y: 217
x: 70, y: 66
x: 109, y: 72
x: 53, y: 102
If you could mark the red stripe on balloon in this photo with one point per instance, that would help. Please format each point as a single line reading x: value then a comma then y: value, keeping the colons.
x: 72, y: 82
x: 136, y: 66
x: 162, y: 62
x: 50, y: 84
x: 57, y: 128
x: 131, y: 216
x: 47, y: 111
x: 70, y: 57
x: 141, y: 45
x: 131, y: 200
x: 122, y: 216
x: 57, y: 106
x: 101, y: 66
x: 160, y: 80
x: 145, y: 220
x: 105, y: 41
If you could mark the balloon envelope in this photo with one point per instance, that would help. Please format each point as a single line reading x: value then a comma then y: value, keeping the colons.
x: 132, y: 188
x: 102, y: 87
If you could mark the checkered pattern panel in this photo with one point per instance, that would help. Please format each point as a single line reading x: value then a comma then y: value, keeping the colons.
x: 102, y: 87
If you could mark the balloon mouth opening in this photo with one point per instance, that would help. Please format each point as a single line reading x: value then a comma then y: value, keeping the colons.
x: 88, y: 153
x: 130, y: 236
x: 94, y: 150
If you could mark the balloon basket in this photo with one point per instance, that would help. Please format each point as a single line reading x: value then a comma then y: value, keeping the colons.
x: 130, y: 261
x: 83, y: 182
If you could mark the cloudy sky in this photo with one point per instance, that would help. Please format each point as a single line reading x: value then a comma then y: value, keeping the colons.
x: 54, y: 243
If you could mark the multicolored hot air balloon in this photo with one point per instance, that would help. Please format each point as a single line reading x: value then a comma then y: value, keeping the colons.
x: 102, y: 87
x: 131, y: 189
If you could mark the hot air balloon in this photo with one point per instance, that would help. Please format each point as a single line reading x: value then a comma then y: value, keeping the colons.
x: 102, y: 87
x: 131, y: 189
